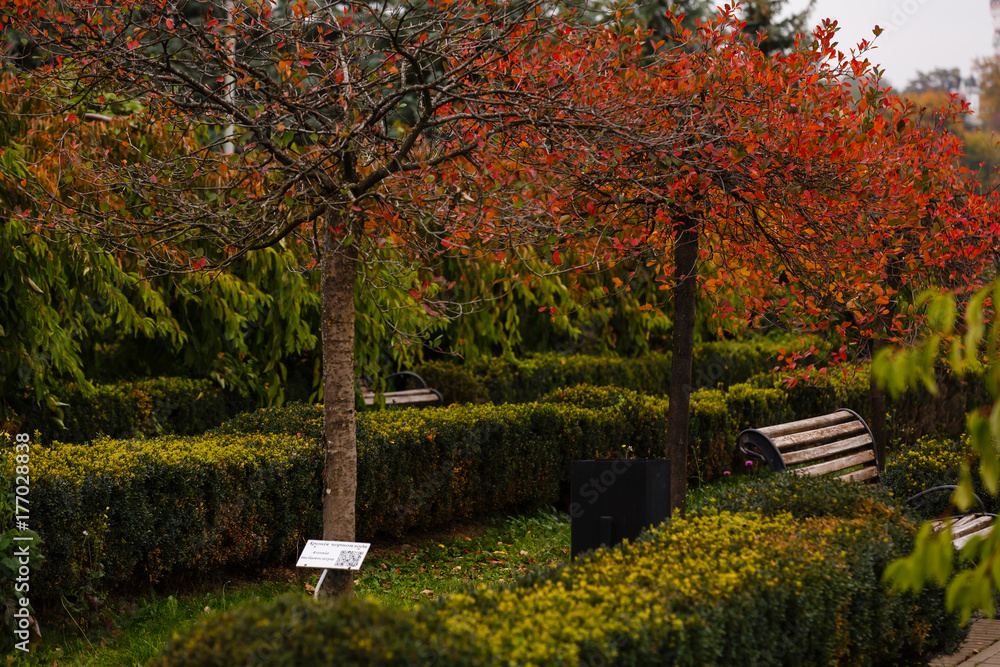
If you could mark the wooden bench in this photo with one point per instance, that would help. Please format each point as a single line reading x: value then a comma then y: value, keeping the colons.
x: 964, y: 527
x: 833, y: 445
x: 422, y: 395
x: 840, y: 445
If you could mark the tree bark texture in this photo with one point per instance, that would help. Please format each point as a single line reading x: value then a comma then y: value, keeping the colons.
x: 877, y: 419
x: 685, y: 292
x: 340, y: 267
x: 877, y: 396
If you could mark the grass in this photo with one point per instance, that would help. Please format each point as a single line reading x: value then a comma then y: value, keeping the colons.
x: 400, y: 575
x: 138, y: 629
x: 406, y: 575
x: 697, y: 493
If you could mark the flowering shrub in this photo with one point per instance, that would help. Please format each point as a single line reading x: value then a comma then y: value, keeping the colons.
x: 935, y: 461
x: 719, y: 588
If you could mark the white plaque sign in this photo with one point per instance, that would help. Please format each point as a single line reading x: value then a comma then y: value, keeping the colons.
x: 333, y: 555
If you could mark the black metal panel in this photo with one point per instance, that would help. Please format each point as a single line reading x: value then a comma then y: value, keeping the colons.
x: 616, y: 499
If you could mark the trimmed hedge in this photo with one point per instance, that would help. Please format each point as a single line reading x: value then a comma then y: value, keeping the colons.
x: 158, y: 406
x: 135, y: 511
x: 417, y: 469
x: 818, y: 392
x: 426, y: 468
x: 502, y: 380
x: 127, y: 511
x: 719, y: 588
x: 487, y: 445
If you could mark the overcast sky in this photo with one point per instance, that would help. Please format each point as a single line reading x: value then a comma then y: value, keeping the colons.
x: 919, y: 34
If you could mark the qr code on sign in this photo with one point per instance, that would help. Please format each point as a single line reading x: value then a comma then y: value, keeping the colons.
x: 349, y: 559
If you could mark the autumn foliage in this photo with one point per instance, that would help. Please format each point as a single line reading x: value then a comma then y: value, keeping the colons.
x: 790, y: 188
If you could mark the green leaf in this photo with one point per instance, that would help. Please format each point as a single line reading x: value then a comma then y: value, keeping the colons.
x: 964, y: 497
x: 941, y: 313
x: 980, y: 434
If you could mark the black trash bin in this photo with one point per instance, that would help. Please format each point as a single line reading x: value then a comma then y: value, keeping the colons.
x: 616, y: 499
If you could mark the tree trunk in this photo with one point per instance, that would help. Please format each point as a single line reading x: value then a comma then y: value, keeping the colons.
x: 339, y: 435
x: 878, y: 410
x: 876, y: 395
x: 685, y: 292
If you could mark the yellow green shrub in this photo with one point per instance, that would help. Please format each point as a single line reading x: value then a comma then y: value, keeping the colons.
x: 720, y: 588
x: 934, y: 461
x: 504, y: 380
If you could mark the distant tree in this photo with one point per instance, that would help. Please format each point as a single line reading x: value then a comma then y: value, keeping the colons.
x: 657, y: 16
x: 764, y: 18
x: 933, y: 92
x: 940, y: 79
x: 987, y: 73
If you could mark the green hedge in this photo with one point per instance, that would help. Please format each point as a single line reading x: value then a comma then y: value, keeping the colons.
x: 430, y: 467
x: 521, y: 380
x: 158, y: 406
x: 126, y: 511
x: 720, y: 588
x: 809, y: 393
x: 417, y: 469
x: 113, y: 512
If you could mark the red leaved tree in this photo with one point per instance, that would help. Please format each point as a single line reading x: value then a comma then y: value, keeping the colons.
x: 325, y: 124
x: 792, y: 185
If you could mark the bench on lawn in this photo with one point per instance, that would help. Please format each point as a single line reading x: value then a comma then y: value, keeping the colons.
x: 422, y: 395
x: 841, y: 445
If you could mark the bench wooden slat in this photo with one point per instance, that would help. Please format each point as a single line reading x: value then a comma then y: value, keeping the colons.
x: 836, y: 464
x: 964, y: 525
x: 871, y: 472
x: 939, y: 524
x: 407, y: 397
x: 818, y: 435
x: 410, y: 400
x: 822, y: 451
x: 960, y: 542
x: 972, y: 523
x: 806, y: 424
x: 405, y: 392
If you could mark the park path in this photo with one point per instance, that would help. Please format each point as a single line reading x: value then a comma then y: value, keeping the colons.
x: 981, y: 647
